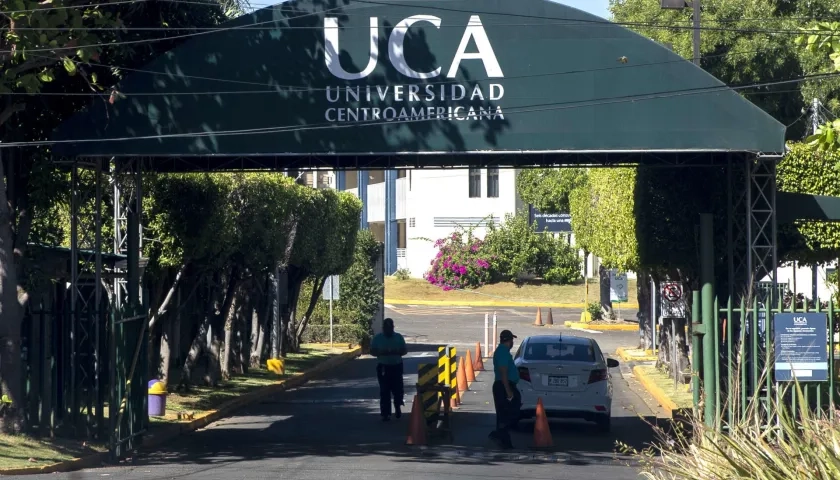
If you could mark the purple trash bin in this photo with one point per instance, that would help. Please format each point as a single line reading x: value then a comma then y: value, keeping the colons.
x: 157, y: 398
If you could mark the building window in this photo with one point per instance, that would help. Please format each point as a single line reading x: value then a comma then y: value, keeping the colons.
x: 475, y: 183
x: 492, y: 183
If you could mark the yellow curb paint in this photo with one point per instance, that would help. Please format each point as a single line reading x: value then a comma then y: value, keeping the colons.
x: 604, y: 328
x: 167, y: 433
x: 657, y: 393
x: 627, y: 354
x: 493, y: 303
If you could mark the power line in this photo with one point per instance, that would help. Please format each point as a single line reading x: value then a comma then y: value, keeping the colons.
x: 276, y: 88
x: 561, y: 22
x: 514, y: 110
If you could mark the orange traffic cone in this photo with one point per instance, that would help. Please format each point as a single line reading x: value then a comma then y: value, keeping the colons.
x: 461, y: 376
x: 479, y: 363
x: 542, y: 434
x: 470, y: 371
x: 455, y: 399
x: 538, y: 321
x: 417, y: 425
x: 549, y: 320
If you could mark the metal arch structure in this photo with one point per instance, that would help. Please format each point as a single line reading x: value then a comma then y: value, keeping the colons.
x: 127, y: 181
x: 84, y: 409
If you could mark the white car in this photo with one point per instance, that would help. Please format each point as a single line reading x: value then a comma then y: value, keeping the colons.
x: 570, y: 374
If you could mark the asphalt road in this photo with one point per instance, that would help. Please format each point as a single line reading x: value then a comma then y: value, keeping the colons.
x: 330, y: 427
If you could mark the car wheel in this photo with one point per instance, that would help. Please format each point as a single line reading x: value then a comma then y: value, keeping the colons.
x: 603, y: 422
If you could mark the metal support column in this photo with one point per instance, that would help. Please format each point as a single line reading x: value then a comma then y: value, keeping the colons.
x: 86, y: 401
x: 363, y: 184
x: 761, y: 226
x: 340, y: 180
x: 391, y: 228
x: 707, y: 278
x: 126, y: 177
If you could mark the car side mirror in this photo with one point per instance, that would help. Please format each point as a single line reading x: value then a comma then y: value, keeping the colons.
x: 612, y: 363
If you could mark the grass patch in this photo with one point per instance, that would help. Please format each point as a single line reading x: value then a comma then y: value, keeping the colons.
x: 202, y: 399
x: 681, y: 395
x: 20, y: 451
x: 419, y: 289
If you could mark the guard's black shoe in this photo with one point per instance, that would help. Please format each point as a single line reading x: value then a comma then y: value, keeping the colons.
x: 397, y: 412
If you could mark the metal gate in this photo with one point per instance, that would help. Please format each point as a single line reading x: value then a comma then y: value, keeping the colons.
x: 742, y: 380
x: 128, y: 378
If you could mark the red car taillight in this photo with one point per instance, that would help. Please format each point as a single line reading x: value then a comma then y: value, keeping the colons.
x: 596, y: 376
x: 524, y: 374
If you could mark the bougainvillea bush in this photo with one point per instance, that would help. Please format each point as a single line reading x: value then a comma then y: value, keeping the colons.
x: 459, y: 263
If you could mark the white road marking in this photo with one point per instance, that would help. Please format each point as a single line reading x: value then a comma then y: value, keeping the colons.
x: 389, y: 306
x: 585, y: 330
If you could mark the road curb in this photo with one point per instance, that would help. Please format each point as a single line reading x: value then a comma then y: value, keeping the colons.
x: 657, y: 393
x: 492, y: 303
x: 169, y: 432
x: 604, y: 328
x: 626, y: 354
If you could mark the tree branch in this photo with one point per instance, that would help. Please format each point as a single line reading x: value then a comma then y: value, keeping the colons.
x: 317, y: 289
x: 162, y: 308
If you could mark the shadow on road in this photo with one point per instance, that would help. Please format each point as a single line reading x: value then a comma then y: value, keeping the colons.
x: 336, y: 415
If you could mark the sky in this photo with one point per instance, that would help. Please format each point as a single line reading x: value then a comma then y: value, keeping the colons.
x: 595, y: 7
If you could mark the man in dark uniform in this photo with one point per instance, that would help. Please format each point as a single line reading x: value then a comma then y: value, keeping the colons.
x: 506, y: 396
x: 389, y: 348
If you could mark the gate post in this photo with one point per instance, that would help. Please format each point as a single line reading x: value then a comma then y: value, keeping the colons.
x: 707, y: 278
x: 696, y: 345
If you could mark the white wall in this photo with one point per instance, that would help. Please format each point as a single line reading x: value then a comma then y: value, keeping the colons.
x: 804, y: 280
x: 444, y: 194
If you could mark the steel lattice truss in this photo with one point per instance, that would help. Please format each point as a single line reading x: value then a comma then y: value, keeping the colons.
x: 87, y: 310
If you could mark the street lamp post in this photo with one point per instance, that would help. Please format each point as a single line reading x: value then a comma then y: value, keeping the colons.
x: 679, y: 5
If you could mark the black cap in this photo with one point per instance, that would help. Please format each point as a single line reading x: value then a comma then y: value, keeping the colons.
x: 506, y: 335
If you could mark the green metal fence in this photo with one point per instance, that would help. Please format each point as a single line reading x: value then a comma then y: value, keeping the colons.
x: 128, y: 377
x: 743, y: 377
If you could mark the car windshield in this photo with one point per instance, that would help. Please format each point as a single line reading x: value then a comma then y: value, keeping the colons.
x: 568, y: 352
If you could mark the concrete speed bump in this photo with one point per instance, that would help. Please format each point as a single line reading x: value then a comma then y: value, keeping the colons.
x: 604, y: 327
x: 629, y: 354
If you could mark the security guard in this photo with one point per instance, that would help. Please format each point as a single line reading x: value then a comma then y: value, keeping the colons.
x: 506, y: 396
x: 389, y: 348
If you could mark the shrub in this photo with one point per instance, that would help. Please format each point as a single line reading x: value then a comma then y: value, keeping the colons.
x: 560, y: 263
x: 800, y: 445
x: 359, y: 297
x: 402, y: 274
x: 517, y: 249
x: 514, y: 248
x: 459, y: 263
x: 594, y: 309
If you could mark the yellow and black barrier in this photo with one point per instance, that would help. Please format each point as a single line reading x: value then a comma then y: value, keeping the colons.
x: 427, y: 375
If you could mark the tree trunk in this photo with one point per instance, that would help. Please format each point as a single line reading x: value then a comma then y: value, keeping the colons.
x: 606, y: 304
x: 288, y: 333
x: 166, y: 348
x: 11, y: 317
x: 645, y: 317
x: 245, y: 344
x: 165, y: 303
x: 230, y: 326
x: 221, y: 329
x: 198, y: 345
x: 257, y: 334
x: 317, y: 289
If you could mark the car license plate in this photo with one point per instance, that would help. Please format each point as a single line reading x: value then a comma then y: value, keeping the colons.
x: 558, y: 381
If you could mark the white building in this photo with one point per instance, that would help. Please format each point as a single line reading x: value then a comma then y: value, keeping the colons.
x: 428, y: 204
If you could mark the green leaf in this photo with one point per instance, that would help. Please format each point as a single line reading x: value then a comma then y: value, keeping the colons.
x: 70, y: 66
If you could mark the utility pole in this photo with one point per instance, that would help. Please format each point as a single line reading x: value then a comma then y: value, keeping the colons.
x: 696, y: 5
x: 815, y: 115
x: 680, y: 5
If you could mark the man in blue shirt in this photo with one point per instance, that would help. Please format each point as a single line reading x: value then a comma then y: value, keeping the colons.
x: 389, y: 348
x: 506, y: 396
